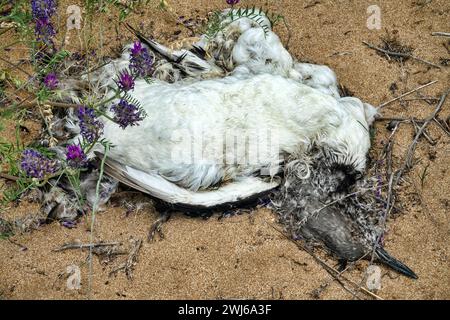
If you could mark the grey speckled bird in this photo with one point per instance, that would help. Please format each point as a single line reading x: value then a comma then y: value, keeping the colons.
x: 322, y: 202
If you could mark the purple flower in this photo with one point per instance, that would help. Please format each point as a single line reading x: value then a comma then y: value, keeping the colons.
x: 51, y: 81
x: 137, y: 49
x: 91, y: 127
x: 75, y: 156
x: 232, y: 2
x: 44, y: 30
x: 127, y: 114
x: 141, y: 63
x: 35, y: 165
x: 42, y: 12
x: 126, y: 81
x: 43, y: 8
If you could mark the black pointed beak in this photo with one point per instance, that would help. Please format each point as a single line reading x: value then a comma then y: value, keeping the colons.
x: 390, y: 261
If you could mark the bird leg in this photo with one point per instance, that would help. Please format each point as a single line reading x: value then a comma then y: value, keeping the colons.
x: 157, y: 226
x: 342, y: 265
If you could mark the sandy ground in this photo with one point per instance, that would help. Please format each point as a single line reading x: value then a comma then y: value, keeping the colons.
x: 244, y: 256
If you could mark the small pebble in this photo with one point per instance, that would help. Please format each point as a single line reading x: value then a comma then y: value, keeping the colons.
x: 373, y: 282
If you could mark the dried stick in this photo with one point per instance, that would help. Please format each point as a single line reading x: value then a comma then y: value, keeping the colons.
x: 407, y: 93
x: 87, y: 245
x: 8, y: 177
x: 409, y: 155
x: 441, y: 34
x: 425, y: 134
x: 129, y: 264
x: 399, y: 54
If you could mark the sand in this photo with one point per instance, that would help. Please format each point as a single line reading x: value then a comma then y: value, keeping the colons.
x: 243, y: 256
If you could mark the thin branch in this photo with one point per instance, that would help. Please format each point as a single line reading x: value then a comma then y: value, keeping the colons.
x: 86, y: 245
x: 441, y: 34
x: 425, y: 134
x: 319, y: 290
x: 412, y: 147
x: 131, y: 261
x: 406, y: 94
x: 8, y: 177
x: 399, y: 54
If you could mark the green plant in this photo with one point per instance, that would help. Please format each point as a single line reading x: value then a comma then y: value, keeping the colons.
x: 216, y: 22
x: 125, y: 7
x: 18, y: 14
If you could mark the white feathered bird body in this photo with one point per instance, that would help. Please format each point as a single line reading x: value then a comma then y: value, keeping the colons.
x: 199, y: 134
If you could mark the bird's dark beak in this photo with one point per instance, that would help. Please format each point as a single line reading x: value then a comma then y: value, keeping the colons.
x: 390, y: 261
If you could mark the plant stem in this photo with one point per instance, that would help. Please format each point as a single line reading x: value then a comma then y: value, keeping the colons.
x: 94, y: 209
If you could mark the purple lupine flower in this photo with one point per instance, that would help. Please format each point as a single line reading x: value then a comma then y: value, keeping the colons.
x: 126, y: 81
x: 141, y: 63
x: 91, y: 127
x: 44, y: 30
x: 42, y: 12
x: 75, y: 156
x: 51, y: 81
x: 127, y: 114
x: 43, y: 8
x: 232, y: 2
x: 36, y: 165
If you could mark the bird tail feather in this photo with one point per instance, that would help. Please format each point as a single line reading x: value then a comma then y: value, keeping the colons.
x: 229, y: 195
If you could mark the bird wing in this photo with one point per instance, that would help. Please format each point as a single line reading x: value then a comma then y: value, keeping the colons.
x: 229, y: 195
x: 191, y: 62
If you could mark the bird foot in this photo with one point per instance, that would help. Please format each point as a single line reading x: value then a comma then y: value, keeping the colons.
x: 342, y: 265
x: 157, y: 226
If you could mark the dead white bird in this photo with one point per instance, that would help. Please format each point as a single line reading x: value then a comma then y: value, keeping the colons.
x: 231, y: 133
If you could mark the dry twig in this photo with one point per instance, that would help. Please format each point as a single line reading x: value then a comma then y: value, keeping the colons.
x: 407, y: 93
x: 8, y: 177
x: 441, y: 34
x: 131, y: 261
x: 399, y: 54
x: 86, y: 245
